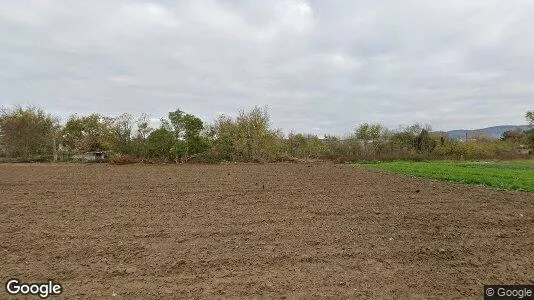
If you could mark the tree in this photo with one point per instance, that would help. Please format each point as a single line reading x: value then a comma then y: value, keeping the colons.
x: 369, y: 135
x: 369, y: 132
x: 247, y: 138
x: 192, y: 127
x: 514, y: 136
x: 255, y: 140
x: 121, y: 134
x: 404, y: 140
x: 160, y: 143
x: 417, y: 128
x: 300, y: 145
x: 187, y: 129
x: 529, y: 137
x: 26, y: 132
x: 223, y: 134
x: 140, y: 137
x: 423, y: 142
x: 143, y: 127
x: 176, y: 121
x: 530, y: 117
x: 88, y: 133
x: 530, y: 134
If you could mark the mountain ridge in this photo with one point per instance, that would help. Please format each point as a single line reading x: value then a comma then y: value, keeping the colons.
x: 492, y: 132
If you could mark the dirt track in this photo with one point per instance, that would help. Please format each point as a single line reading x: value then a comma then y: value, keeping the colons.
x: 197, y: 231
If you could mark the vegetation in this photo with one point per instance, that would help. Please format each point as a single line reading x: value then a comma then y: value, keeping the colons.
x: 30, y: 133
x: 27, y: 132
x: 245, y: 138
x: 516, y: 175
x: 530, y: 117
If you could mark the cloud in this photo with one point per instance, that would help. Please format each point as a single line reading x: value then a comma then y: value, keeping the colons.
x: 320, y: 66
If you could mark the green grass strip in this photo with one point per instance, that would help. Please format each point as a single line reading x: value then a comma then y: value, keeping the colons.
x: 511, y: 175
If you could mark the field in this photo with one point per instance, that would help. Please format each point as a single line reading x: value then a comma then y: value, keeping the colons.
x: 512, y: 175
x: 272, y: 230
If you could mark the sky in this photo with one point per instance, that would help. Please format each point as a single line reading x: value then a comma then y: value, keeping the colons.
x: 319, y: 66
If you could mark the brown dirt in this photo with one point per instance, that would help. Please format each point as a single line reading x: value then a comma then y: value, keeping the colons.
x: 274, y: 230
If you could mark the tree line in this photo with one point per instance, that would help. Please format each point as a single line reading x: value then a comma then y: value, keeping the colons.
x: 30, y: 134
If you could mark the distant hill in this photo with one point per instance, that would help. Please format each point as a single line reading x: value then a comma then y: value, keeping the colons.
x: 493, y: 132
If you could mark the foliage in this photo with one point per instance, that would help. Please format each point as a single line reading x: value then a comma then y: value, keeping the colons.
x: 160, y: 144
x: 369, y: 132
x: 245, y: 138
x: 122, y: 159
x: 27, y: 132
x: 529, y: 138
x: 139, y: 140
x: 530, y: 117
x: 248, y: 138
x: 87, y: 133
x: 121, y: 129
x: 187, y: 130
x: 423, y: 142
x: 513, y: 136
x: 517, y: 175
x: 306, y: 146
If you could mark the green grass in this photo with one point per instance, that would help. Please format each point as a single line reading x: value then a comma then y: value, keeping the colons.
x: 509, y: 175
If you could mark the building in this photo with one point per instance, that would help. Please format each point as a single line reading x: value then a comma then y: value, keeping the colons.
x: 92, y: 156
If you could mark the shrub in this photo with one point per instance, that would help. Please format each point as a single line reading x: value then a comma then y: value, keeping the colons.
x: 247, y: 138
x: 122, y: 159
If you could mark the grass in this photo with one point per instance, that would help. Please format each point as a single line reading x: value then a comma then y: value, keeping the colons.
x: 509, y: 175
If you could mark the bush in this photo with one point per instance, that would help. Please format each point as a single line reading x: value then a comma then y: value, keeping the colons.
x: 123, y: 159
x: 246, y: 138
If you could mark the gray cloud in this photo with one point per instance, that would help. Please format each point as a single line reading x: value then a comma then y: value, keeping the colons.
x: 320, y: 66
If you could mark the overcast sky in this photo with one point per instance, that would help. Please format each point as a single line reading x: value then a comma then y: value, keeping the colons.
x: 320, y: 66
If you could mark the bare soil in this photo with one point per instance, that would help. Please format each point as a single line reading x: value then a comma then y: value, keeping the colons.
x: 246, y: 230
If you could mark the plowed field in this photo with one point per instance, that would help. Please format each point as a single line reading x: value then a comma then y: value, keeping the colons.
x: 272, y: 230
